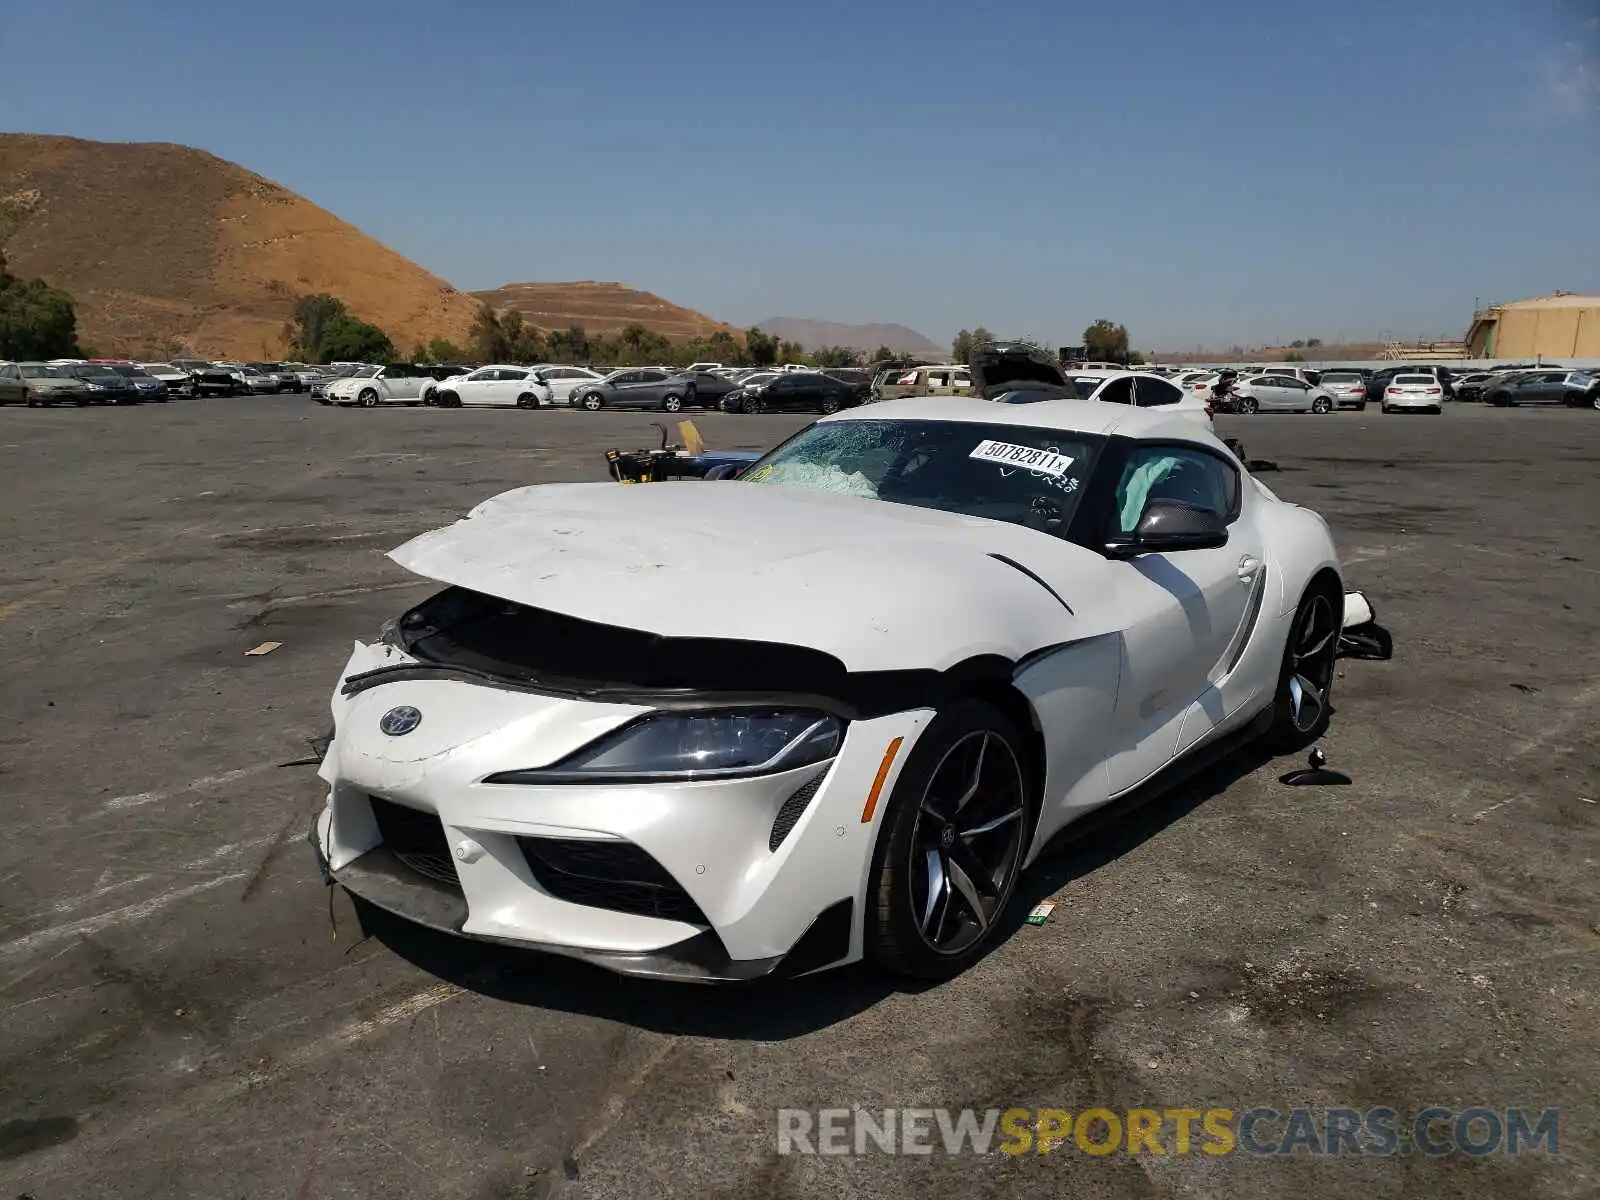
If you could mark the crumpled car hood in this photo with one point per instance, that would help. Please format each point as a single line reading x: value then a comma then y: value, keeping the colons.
x: 879, y: 586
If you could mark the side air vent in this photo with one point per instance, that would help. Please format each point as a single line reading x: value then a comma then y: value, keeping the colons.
x: 791, y: 812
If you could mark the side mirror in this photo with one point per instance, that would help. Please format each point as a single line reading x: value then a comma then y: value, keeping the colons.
x: 1169, y: 526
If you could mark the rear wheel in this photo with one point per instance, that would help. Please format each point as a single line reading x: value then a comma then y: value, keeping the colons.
x: 527, y: 400
x: 951, y: 845
x: 1305, y: 682
x: 671, y: 403
x: 1321, y: 405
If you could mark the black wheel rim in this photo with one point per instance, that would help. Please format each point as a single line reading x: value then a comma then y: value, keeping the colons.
x: 1311, y: 660
x: 967, y: 842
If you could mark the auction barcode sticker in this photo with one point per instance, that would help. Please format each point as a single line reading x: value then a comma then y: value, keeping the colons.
x: 1047, y: 462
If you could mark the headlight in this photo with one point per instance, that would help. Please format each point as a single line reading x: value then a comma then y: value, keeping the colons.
x: 688, y: 746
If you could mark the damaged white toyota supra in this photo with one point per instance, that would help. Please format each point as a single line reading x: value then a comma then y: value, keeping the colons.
x: 829, y: 710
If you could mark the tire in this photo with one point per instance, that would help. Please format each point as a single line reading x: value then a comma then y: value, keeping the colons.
x: 1362, y: 407
x: 671, y: 403
x: 1386, y: 409
x: 1248, y: 405
x: 830, y: 404
x: 1321, y: 406
x: 32, y: 401
x: 1594, y: 401
x: 527, y: 400
x: 368, y: 399
x: 753, y: 405
x: 593, y: 401
x: 194, y: 391
x: 447, y: 400
x: 1501, y: 399
x: 1303, y: 702
x: 81, y: 402
x: 970, y: 746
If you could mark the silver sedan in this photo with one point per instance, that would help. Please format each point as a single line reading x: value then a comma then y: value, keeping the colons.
x: 1281, y: 393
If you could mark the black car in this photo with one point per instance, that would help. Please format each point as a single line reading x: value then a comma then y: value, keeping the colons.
x: 146, y: 384
x: 800, y: 391
x: 705, y: 389
x: 859, y: 378
x: 105, y: 385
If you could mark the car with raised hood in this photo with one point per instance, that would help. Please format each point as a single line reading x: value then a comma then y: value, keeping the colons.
x: 827, y: 711
x: 1019, y: 373
x: 40, y: 384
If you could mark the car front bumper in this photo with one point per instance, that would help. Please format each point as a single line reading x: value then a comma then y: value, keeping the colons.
x: 705, y: 880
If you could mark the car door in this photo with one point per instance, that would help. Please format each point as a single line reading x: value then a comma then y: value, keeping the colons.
x: 624, y: 389
x: 11, y: 390
x: 1540, y: 387
x: 784, y: 394
x: 473, y: 388
x: 510, y: 385
x: 1273, y: 393
x: 1184, y: 615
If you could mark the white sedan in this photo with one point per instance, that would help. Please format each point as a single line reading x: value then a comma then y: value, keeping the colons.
x: 497, y: 385
x: 831, y: 710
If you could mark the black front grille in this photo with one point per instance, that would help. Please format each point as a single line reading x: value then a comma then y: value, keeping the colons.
x: 416, y: 839
x: 613, y: 875
x: 792, y: 808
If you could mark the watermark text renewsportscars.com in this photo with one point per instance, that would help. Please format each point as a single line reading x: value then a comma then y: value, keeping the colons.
x: 1264, y: 1132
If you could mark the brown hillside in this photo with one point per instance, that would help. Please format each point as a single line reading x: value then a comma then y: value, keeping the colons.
x: 601, y: 308
x: 165, y: 248
x: 1333, y: 352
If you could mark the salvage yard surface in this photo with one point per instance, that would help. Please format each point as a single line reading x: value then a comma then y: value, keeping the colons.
x: 183, y: 1011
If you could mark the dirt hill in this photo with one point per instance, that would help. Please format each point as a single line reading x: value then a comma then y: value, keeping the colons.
x: 166, y: 248
x: 601, y: 308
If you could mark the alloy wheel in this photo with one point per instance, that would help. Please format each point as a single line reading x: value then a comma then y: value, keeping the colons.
x: 1311, y: 665
x: 1247, y: 405
x: 966, y: 845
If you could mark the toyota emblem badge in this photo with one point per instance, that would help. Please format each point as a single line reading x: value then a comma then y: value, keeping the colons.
x: 398, y: 722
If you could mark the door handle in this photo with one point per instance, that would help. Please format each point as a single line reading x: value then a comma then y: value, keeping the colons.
x: 1248, y: 566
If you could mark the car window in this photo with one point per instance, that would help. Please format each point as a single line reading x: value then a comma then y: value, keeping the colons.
x: 512, y: 374
x: 1165, y: 472
x: 479, y: 375
x: 938, y: 379
x: 1118, y: 391
x: 1013, y: 473
x: 961, y: 381
x: 1149, y: 393
x: 12, y: 373
x: 652, y: 376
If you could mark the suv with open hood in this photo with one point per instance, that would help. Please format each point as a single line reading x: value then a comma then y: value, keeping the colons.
x: 1001, y: 367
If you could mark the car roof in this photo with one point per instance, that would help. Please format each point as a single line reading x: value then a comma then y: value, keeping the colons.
x: 1067, y: 414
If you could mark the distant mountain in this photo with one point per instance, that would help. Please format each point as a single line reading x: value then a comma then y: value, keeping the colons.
x: 813, y: 335
x: 601, y: 308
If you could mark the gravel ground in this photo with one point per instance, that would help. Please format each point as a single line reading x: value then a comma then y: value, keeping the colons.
x: 185, y: 1010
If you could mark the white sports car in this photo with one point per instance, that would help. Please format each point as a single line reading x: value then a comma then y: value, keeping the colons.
x: 827, y: 711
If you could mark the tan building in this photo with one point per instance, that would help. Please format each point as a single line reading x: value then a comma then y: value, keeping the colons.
x: 1561, y: 325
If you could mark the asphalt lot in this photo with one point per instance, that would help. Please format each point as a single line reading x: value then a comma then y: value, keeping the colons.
x: 185, y: 1012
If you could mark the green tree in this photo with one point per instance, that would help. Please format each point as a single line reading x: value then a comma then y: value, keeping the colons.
x: 835, y: 356
x: 1297, y: 343
x: 570, y: 345
x: 790, y: 352
x: 36, y: 320
x: 441, y: 350
x: 1294, y: 356
x: 352, y: 340
x: 760, y: 348
x: 1106, y: 341
x: 523, y: 342
x: 311, y: 320
x: 961, y: 347
x: 487, y: 337
x: 1313, y: 343
x: 882, y: 354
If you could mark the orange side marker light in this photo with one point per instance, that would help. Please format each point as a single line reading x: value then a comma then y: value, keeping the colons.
x: 877, y: 784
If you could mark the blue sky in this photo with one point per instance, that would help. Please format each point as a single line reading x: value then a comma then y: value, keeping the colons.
x: 1224, y: 172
